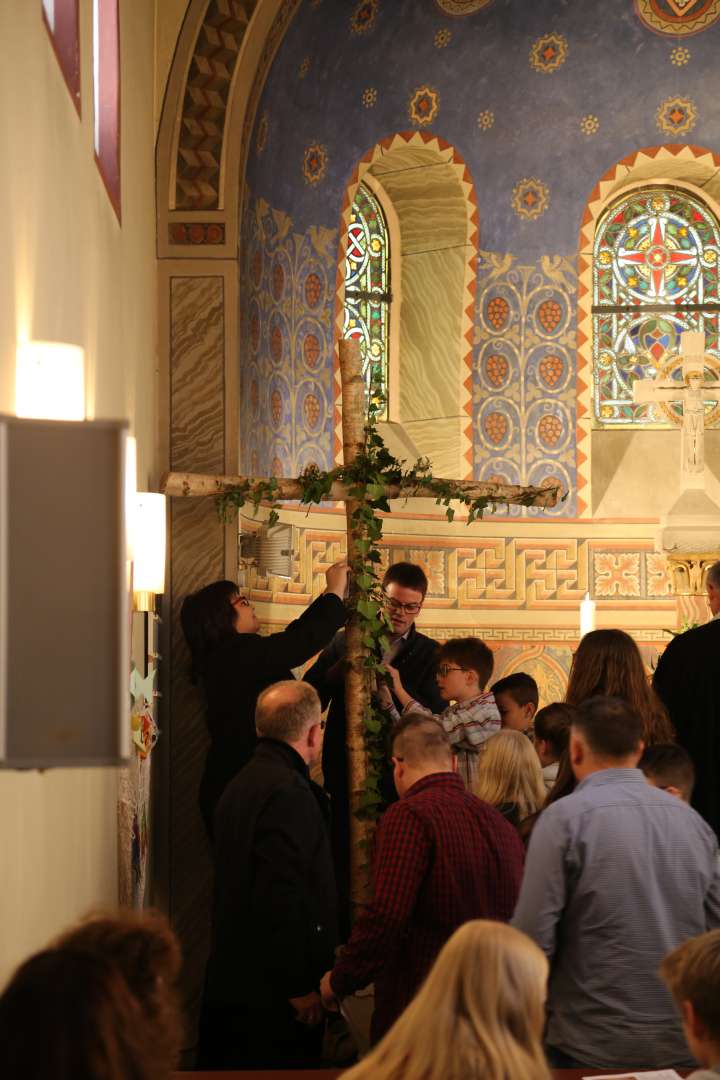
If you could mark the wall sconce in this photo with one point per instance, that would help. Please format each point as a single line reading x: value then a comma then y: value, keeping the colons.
x: 50, y: 381
x: 149, y: 548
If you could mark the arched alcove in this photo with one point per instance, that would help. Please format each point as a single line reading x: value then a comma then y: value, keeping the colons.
x: 614, y: 467
x: 426, y: 184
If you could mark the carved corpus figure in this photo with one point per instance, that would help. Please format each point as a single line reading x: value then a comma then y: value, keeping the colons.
x: 692, y: 392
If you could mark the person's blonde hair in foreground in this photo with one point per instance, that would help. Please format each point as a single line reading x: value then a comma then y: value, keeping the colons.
x: 478, y: 1016
x: 509, y: 776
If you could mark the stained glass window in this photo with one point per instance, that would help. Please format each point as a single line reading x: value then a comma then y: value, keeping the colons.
x: 367, y: 285
x: 655, y: 274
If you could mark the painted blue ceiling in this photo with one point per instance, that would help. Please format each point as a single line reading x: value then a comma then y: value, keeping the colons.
x: 616, y: 69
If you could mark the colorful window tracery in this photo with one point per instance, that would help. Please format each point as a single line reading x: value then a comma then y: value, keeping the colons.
x: 655, y: 274
x: 367, y: 285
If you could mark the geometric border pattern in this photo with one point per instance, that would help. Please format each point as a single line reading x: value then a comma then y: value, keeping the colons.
x: 449, y: 154
x: 631, y: 169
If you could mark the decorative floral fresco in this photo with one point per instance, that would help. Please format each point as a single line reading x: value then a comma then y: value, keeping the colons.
x: 523, y: 374
x: 540, y: 100
x: 285, y: 319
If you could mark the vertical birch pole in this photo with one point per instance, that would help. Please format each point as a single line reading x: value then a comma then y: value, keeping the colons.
x: 357, y: 680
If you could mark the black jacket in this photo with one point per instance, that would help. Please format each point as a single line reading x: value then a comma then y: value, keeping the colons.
x: 274, y: 919
x: 688, y: 682
x: 237, y: 671
x: 416, y: 662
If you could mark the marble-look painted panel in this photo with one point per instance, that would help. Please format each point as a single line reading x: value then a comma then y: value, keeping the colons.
x: 197, y: 403
x: 431, y: 327
x: 438, y: 439
x: 197, y: 374
x: 430, y: 206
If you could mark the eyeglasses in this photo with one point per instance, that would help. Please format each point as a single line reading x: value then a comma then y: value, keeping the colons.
x: 241, y: 600
x: 445, y: 669
x: 394, y: 605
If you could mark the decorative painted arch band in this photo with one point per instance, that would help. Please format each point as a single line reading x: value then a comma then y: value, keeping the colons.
x: 691, y: 164
x: 447, y: 153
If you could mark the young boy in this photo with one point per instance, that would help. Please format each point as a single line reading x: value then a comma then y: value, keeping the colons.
x: 552, y: 734
x: 464, y: 667
x: 692, y: 975
x: 517, y: 701
x: 669, y: 767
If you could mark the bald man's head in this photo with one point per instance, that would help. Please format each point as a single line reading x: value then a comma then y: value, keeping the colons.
x: 286, y: 710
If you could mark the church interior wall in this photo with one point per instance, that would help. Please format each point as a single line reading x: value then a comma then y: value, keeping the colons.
x: 70, y: 272
x: 540, y: 102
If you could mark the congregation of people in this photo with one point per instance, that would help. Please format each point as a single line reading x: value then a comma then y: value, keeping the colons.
x: 544, y: 882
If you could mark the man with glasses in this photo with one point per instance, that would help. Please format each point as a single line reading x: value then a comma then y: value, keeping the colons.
x: 413, y: 654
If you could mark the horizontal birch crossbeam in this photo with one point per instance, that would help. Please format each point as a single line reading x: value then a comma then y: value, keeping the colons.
x: 197, y: 485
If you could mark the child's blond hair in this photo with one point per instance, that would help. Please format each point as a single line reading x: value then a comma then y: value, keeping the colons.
x: 509, y: 772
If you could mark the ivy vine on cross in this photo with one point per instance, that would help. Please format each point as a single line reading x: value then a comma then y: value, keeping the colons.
x: 366, y: 482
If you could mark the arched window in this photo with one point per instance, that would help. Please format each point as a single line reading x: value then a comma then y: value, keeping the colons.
x: 367, y: 285
x: 655, y: 274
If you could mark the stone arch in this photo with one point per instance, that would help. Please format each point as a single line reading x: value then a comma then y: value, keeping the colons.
x: 417, y: 169
x: 693, y: 166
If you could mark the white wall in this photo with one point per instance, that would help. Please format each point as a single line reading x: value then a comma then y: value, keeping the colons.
x: 70, y: 272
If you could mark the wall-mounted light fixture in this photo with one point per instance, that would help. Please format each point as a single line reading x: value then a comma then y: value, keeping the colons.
x: 149, y: 549
x: 50, y: 381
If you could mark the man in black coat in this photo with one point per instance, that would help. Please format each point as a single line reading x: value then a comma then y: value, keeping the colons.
x: 274, y: 917
x: 687, y: 680
x: 413, y: 654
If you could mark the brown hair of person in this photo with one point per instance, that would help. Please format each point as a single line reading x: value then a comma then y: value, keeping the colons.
x: 552, y: 725
x: 67, y: 1014
x: 669, y: 765
x: 147, y: 953
x: 470, y: 654
x: 521, y: 687
x: 408, y: 575
x: 565, y: 781
x: 692, y: 973
x: 607, y: 663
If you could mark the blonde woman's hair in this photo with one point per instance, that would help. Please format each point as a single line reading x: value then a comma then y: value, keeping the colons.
x: 509, y: 772
x: 478, y: 1016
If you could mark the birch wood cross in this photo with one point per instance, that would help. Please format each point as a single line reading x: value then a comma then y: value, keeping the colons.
x: 358, y: 677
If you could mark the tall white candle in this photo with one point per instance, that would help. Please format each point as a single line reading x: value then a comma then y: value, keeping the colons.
x: 587, y: 615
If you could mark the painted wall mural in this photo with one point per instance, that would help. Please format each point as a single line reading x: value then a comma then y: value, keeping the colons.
x: 540, y: 100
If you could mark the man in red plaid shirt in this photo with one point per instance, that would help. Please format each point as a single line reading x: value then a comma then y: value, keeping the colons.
x: 442, y: 857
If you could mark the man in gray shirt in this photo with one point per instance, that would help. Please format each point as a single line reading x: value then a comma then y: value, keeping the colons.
x: 617, y: 874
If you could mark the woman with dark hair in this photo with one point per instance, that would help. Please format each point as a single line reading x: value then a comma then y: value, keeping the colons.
x: 69, y: 1013
x: 233, y: 663
x: 607, y: 663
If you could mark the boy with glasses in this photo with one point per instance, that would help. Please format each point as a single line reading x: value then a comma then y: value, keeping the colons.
x: 471, y: 715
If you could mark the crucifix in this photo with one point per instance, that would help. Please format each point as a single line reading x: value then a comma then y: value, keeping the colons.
x: 358, y: 686
x: 692, y: 392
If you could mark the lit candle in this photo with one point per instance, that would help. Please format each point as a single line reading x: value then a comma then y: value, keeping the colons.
x: 587, y: 615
